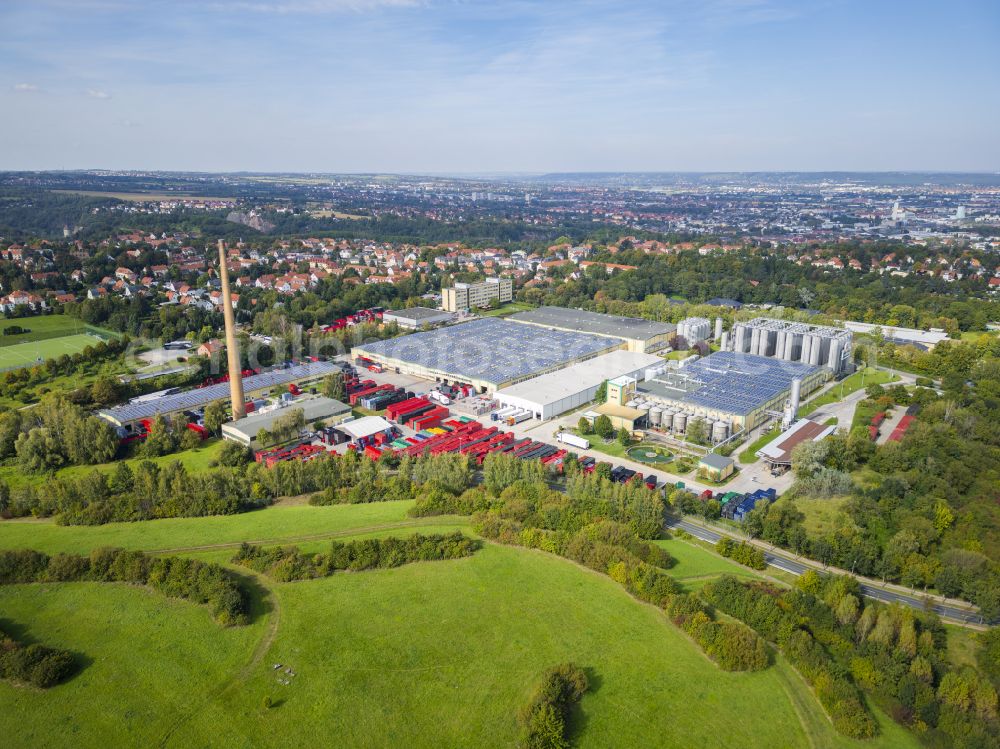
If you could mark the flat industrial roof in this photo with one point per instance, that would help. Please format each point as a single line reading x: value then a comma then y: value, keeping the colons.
x: 489, y: 350
x: 202, y: 396
x: 416, y: 313
x: 716, y: 461
x: 926, y: 337
x: 366, y: 426
x: 554, y: 386
x: 583, y: 321
x: 779, y: 450
x: 313, y: 408
x: 728, y: 381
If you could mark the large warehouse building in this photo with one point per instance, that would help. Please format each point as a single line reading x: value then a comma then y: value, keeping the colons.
x: 556, y: 393
x: 729, y: 391
x: 488, y: 353
x: 816, y: 345
x: 169, y: 404
x: 642, y: 336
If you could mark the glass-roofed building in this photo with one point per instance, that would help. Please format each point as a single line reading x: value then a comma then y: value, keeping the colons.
x: 730, y: 391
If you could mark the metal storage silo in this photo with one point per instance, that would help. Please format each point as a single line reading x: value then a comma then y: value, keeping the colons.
x: 655, y: 417
x: 680, y: 422
x: 815, y: 348
x: 720, y: 431
x: 834, y: 361
x: 718, y: 328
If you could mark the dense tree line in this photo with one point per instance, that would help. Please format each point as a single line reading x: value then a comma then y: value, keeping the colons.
x: 742, y: 552
x: 34, y: 663
x: 771, y: 277
x: 55, y: 434
x: 926, y: 514
x: 544, y: 717
x: 175, y: 577
x: 846, y: 645
x: 288, y: 563
x: 734, y: 646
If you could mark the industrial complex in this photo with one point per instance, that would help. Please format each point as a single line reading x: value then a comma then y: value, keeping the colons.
x: 555, y: 393
x: 639, y: 335
x: 169, y: 404
x: 731, y: 391
x: 488, y: 353
x: 816, y: 345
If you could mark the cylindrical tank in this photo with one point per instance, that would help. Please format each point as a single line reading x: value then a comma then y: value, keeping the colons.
x: 833, y: 362
x: 779, y: 344
x: 680, y: 422
x: 739, y: 338
x: 667, y: 420
x: 720, y: 431
x: 789, y: 346
x: 796, y: 394
x: 630, y: 404
x: 725, y: 341
x: 655, y: 416
x: 718, y: 328
x: 754, y: 340
x: 816, y: 350
x: 806, y: 348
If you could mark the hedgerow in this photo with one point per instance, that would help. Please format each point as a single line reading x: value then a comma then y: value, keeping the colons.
x: 176, y: 577
x: 288, y: 563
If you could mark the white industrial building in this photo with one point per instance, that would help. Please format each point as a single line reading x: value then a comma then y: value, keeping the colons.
x: 555, y: 393
x: 415, y: 318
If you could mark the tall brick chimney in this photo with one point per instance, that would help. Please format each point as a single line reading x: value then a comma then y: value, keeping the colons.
x: 232, y: 348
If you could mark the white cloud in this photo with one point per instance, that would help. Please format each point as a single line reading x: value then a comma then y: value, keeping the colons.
x: 25, y: 88
x: 95, y: 94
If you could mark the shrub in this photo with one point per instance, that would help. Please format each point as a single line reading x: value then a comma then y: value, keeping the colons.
x: 286, y: 564
x: 543, y: 718
x: 34, y: 664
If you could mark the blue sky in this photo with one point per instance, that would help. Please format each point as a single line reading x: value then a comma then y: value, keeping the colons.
x: 498, y: 86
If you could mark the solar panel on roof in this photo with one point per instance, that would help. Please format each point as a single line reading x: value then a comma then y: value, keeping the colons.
x: 731, y: 382
x: 202, y: 396
x: 491, y: 350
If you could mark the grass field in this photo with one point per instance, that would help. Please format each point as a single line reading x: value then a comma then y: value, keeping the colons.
x: 197, y: 459
x: 860, y: 379
x: 437, y: 654
x: 749, y: 455
x: 507, y: 309
x: 48, y: 336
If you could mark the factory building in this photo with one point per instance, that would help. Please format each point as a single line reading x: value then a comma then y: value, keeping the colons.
x: 694, y: 330
x: 415, y: 318
x: 815, y: 345
x: 730, y: 392
x: 557, y: 392
x: 640, y: 336
x: 168, y: 404
x: 488, y: 352
x: 314, y: 408
x: 463, y: 297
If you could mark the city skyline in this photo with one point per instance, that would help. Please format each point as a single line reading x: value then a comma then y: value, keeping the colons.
x: 428, y: 87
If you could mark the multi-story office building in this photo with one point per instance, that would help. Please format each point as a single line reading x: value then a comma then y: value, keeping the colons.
x: 465, y: 296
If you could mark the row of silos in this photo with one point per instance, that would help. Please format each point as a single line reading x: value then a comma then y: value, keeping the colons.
x: 791, y: 343
x: 694, y: 329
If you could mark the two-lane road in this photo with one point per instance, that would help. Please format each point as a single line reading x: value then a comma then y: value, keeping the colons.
x: 787, y: 563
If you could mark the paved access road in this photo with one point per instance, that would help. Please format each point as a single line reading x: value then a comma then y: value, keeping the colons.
x: 797, y: 566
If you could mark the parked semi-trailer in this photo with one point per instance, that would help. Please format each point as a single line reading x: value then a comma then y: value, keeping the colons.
x: 571, y: 439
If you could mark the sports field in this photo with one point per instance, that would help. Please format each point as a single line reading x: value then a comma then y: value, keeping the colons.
x: 432, y: 654
x: 35, y: 352
x: 47, y: 337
